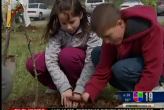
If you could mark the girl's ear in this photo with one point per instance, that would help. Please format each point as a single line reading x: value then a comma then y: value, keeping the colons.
x: 81, y: 15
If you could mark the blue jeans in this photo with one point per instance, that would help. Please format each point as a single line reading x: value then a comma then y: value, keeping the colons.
x: 126, y: 72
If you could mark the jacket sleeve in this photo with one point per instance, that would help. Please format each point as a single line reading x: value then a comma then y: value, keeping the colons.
x: 152, y: 48
x: 88, y: 68
x: 103, y: 72
x: 51, y: 59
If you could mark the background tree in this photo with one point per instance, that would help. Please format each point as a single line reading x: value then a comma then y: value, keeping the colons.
x: 150, y: 2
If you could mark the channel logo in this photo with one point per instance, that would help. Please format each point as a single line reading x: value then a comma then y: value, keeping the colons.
x: 138, y: 96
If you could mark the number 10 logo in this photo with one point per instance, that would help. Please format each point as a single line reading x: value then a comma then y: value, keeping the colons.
x: 149, y: 96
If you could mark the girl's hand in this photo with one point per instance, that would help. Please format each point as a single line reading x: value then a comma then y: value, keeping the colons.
x: 66, y: 98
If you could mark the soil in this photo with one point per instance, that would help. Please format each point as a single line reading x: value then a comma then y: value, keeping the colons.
x: 52, y: 101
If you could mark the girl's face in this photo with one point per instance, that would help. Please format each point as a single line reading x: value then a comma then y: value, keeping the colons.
x: 68, y: 22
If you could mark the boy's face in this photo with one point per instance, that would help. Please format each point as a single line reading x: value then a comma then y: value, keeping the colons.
x: 115, y: 34
x: 68, y: 22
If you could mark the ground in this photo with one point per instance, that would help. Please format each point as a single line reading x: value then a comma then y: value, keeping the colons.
x: 53, y: 101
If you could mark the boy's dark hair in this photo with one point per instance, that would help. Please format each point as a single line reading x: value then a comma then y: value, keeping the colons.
x: 104, y: 16
x: 61, y: 6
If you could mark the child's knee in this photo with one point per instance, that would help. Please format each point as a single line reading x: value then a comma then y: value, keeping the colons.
x: 118, y: 70
x: 69, y: 56
x: 122, y: 71
x: 128, y: 69
x: 40, y: 65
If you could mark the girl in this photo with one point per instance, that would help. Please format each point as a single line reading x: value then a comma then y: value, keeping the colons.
x: 66, y: 64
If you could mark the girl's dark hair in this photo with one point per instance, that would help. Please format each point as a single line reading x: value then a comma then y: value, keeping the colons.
x: 65, y: 5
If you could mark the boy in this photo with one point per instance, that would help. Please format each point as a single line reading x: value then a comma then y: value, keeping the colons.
x: 132, y: 52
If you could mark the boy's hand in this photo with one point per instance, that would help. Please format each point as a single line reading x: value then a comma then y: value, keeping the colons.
x: 76, y: 99
x: 66, y: 98
x: 85, y: 97
x: 79, y: 99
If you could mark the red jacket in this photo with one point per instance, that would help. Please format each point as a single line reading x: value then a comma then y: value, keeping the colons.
x: 148, y: 44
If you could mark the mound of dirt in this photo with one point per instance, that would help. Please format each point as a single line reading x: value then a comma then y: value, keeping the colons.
x: 52, y: 101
